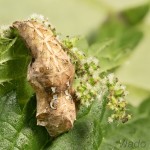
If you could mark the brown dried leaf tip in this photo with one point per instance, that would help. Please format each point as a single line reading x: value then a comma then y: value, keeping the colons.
x: 51, y: 75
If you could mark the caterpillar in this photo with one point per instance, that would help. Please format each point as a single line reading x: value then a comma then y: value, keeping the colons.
x: 51, y: 75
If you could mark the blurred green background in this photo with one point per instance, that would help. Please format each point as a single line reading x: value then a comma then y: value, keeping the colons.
x: 83, y: 17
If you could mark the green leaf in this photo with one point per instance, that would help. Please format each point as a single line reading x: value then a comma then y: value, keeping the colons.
x: 136, y: 71
x: 18, y: 129
x: 113, y: 43
x: 136, y: 14
x: 133, y: 135
x: 14, y: 59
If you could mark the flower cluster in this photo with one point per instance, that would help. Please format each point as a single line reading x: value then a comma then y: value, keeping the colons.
x: 89, y: 85
x: 116, y: 99
x: 88, y: 77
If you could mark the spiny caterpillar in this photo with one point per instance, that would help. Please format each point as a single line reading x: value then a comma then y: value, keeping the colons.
x: 51, y: 75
